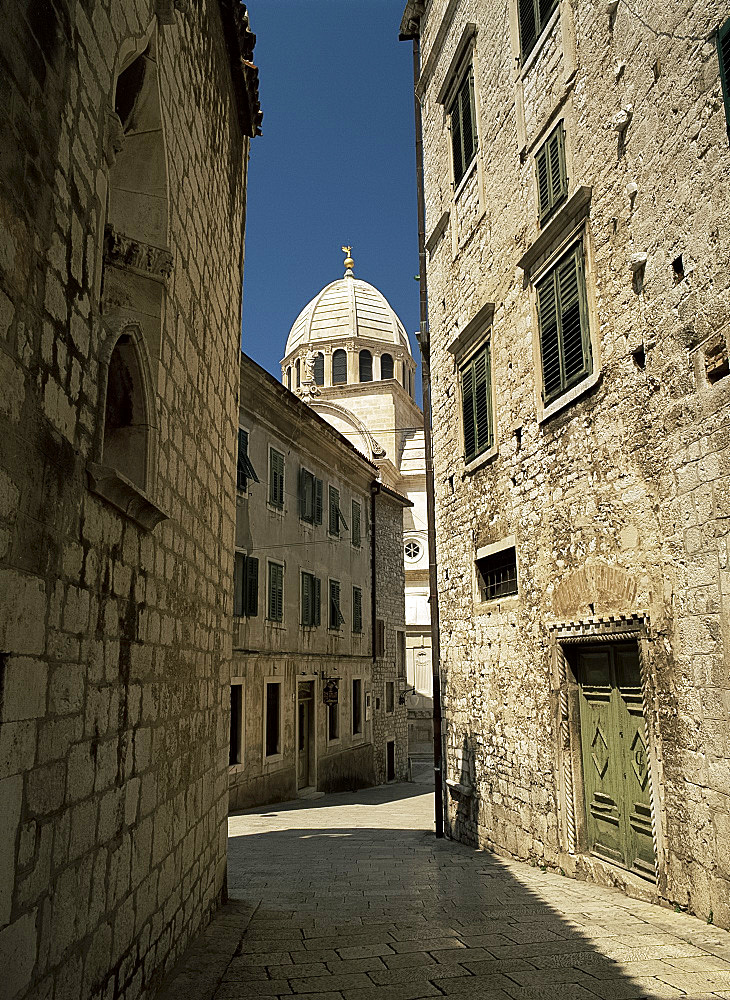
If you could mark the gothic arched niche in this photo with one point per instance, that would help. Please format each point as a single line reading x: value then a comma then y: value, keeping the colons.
x: 126, y: 420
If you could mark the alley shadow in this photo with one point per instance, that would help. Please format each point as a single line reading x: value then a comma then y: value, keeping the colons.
x: 374, y: 795
x: 473, y: 924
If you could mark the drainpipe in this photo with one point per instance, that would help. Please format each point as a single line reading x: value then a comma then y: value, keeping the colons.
x: 424, y: 344
x: 374, y: 490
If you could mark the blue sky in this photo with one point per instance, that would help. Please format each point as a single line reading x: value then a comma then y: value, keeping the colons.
x: 334, y: 166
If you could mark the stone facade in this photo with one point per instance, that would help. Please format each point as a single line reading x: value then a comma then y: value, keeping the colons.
x: 124, y: 129
x: 288, y: 741
x: 613, y: 494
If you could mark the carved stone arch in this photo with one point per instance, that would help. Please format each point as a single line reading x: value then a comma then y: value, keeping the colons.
x: 352, y: 427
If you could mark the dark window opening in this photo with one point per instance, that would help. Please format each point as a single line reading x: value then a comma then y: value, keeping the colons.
x: 389, y: 696
x: 234, y: 753
x: 366, y: 366
x: 463, y: 128
x: 390, y: 760
x: 386, y: 366
x: 273, y: 728
x: 125, y: 416
x: 716, y: 359
x: 356, y: 707
x: 497, y: 574
x: 318, y: 369
x: 533, y: 16
x: 678, y: 269
x: 339, y: 367
x: 298, y: 372
x: 333, y: 722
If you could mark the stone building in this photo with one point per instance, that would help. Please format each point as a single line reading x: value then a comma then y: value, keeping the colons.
x: 577, y: 183
x: 125, y: 130
x: 349, y: 357
x: 318, y: 657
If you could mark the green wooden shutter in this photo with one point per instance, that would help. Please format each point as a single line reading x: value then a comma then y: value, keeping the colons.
x: 356, y: 533
x: 528, y: 26
x: 558, y: 175
x: 547, y: 311
x: 483, y: 400
x: 467, y: 399
x: 241, y: 470
x: 468, y: 122
x: 456, y: 142
x: 334, y: 518
x: 317, y: 601
x: 318, y: 500
x: 306, y: 615
x: 276, y: 478
x: 543, y: 182
x: 239, y: 570
x: 336, y: 618
x: 356, y: 609
x: 723, y: 54
x: 574, y: 341
x: 276, y: 592
x: 306, y: 495
x: 252, y: 586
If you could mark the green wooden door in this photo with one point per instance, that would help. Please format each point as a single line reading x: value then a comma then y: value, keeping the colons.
x: 615, y: 759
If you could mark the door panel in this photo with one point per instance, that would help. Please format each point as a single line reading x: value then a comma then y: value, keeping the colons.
x: 615, y: 758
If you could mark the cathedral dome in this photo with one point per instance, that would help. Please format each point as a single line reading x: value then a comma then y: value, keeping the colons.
x: 345, y: 309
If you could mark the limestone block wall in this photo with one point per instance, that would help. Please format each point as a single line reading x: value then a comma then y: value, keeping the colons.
x: 114, y: 634
x: 618, y: 502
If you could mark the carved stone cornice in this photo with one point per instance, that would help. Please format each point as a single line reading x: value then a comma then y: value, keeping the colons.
x: 117, y: 490
x: 240, y: 41
x: 134, y: 255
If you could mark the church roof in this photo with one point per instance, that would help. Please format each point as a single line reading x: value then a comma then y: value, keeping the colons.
x: 346, y: 308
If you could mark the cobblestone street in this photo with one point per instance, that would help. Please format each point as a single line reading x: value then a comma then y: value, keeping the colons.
x: 350, y: 897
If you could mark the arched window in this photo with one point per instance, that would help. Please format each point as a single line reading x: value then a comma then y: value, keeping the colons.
x: 366, y: 366
x: 288, y: 376
x: 410, y: 382
x: 339, y: 367
x: 318, y: 368
x: 126, y: 423
x: 386, y: 366
x: 298, y: 372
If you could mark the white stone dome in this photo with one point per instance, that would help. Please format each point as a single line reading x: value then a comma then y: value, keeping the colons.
x: 344, y: 309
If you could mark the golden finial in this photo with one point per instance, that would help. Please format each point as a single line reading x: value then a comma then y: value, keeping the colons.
x: 349, y: 262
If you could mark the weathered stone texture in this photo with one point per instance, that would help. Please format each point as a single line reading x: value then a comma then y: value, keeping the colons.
x: 114, y: 640
x: 619, y: 501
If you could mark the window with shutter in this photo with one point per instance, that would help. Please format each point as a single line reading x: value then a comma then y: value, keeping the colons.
x: 386, y: 366
x: 317, y: 602
x: 356, y: 609
x: 723, y: 53
x: 251, y: 605
x: 276, y: 592
x: 306, y: 495
x: 552, y: 177
x: 339, y: 367
x: 366, y: 366
x: 533, y: 15
x: 244, y: 468
x: 476, y: 403
x: 336, y: 617
x: 239, y: 575
x: 318, y: 500
x: 563, y: 325
x: 379, y: 637
x: 356, y: 528
x: 334, y: 511
x: 462, y: 114
x: 307, y: 609
x: 276, y: 478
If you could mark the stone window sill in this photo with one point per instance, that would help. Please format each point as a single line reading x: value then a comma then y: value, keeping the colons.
x: 458, y: 788
x: 465, y: 179
x: 497, y: 605
x: 113, y: 487
x: 480, y: 460
x: 569, y: 397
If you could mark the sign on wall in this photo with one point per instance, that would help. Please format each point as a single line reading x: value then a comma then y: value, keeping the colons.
x: 331, y: 693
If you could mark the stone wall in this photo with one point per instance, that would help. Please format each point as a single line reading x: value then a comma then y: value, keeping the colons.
x: 114, y: 632
x: 617, y: 500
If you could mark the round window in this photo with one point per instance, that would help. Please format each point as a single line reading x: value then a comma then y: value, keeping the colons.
x: 412, y: 550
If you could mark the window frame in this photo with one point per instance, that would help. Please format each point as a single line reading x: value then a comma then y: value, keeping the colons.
x: 389, y: 697
x: 336, y: 738
x: 274, y: 757
x: 339, y: 618
x: 463, y: 79
x: 493, y: 552
x: 245, y: 470
x: 305, y: 475
x: 245, y: 597
x: 360, y: 731
x: 335, y: 354
x: 466, y: 362
x: 357, y: 619
x: 315, y: 598
x: 338, y: 520
x: 577, y: 248
x: 238, y: 682
x: 541, y: 21
x: 270, y: 563
x: 555, y: 197
x: 277, y: 487
x: 356, y: 535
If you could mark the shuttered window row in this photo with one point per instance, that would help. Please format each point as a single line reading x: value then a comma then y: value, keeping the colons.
x: 356, y: 609
x: 276, y: 478
x: 336, y: 617
x: 311, y: 492
x: 723, y: 53
x: 311, y: 599
x: 336, y: 520
x: 552, y: 178
x: 476, y: 399
x: 563, y: 323
x: 245, y: 586
x: 275, y: 611
x: 533, y: 16
x: 463, y: 127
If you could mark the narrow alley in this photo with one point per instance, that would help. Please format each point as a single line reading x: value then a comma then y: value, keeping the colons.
x: 350, y: 897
